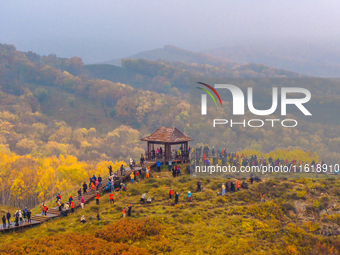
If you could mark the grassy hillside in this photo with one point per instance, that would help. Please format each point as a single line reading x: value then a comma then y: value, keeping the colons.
x: 300, y: 216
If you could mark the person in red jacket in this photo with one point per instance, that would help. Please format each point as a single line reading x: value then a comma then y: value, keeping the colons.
x: 111, y: 198
x: 170, y: 193
x: 72, y: 206
x: 97, y: 198
x: 238, y: 185
x: 124, y: 211
x: 45, y: 209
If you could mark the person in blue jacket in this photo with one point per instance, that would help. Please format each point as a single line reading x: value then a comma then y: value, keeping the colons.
x: 158, y: 166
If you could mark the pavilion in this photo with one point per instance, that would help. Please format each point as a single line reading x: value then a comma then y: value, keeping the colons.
x: 167, y: 136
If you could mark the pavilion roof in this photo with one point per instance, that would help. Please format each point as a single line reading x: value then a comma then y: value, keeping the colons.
x: 167, y: 135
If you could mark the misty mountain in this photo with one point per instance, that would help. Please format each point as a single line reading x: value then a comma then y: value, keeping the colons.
x: 174, y: 54
x: 317, y: 59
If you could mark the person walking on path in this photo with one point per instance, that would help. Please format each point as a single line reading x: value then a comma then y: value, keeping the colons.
x: 129, y: 210
x: 93, y: 187
x: 45, y: 210
x: 72, y: 206
x: 59, y: 207
x: 79, y: 194
x: 121, y: 170
x: 84, y: 188
x: 42, y: 209
x: 124, y: 211
x: 82, y: 202
x: 97, y: 199
x: 29, y: 214
x: 132, y: 176
x: 4, y: 221
x: 25, y: 211
x: 8, y: 216
x: 100, y: 180
x: 170, y: 193
x: 111, y: 198
x: 223, y: 189
x: 16, y: 219
x: 176, y: 197
x: 136, y: 176
x: 110, y: 170
x: 20, y: 216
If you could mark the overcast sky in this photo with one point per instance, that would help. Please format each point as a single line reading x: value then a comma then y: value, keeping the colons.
x: 102, y: 30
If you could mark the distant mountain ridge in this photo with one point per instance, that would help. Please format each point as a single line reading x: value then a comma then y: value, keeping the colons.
x: 307, y: 58
x: 175, y: 54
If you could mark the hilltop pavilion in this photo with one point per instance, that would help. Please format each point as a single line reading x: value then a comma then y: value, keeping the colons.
x: 167, y: 136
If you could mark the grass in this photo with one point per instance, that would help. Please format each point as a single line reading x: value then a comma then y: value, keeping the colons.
x: 235, y: 223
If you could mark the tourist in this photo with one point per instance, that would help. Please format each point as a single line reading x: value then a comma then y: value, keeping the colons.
x: 84, y: 188
x: 97, y: 199
x: 143, y: 198
x: 176, y: 197
x: 129, y: 210
x: 110, y: 170
x: 147, y: 172
x: 170, y: 193
x: 263, y: 198
x: 124, y: 211
x: 158, y: 166
x: 198, y: 186
x: 82, y: 219
x: 189, y: 197
x: 82, y: 202
x: 45, y: 210
x: 111, y: 198
x: 4, y: 221
x: 131, y: 164
x: 132, y: 176
x: 8, y: 216
x: 79, y: 194
x: 59, y: 207
x: 29, y: 213
x: 142, y: 160
x: 72, y: 206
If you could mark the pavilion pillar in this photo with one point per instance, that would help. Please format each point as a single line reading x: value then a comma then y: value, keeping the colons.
x: 148, y: 150
x: 167, y: 151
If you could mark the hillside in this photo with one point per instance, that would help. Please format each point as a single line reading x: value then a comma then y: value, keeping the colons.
x: 300, y: 216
